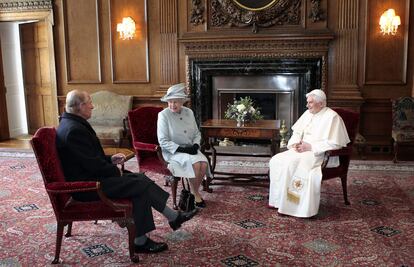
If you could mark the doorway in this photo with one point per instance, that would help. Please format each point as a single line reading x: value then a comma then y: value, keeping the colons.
x: 36, y: 104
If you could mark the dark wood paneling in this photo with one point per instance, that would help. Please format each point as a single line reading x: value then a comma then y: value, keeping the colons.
x: 169, y: 48
x: 376, y: 121
x: 129, y: 57
x: 82, y: 46
x: 386, y: 55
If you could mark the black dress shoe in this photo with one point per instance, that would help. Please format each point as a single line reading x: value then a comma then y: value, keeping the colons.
x: 201, y: 204
x: 151, y: 246
x: 181, y: 218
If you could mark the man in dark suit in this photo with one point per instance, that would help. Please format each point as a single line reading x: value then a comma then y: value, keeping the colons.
x: 83, y: 159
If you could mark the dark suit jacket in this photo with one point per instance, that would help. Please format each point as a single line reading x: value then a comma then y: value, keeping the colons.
x: 80, y: 151
x: 83, y: 159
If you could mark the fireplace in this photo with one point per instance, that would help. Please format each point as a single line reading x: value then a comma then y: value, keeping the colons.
x: 278, y: 85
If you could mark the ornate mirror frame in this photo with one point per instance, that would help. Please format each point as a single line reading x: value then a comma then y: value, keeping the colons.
x: 255, y: 5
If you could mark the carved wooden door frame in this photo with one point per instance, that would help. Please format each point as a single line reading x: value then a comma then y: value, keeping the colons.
x: 47, y: 16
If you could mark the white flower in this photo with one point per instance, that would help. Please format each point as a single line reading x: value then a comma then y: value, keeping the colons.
x: 252, y: 110
x: 240, y: 107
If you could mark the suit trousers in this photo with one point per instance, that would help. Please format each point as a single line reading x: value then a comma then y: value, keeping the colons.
x: 144, y: 193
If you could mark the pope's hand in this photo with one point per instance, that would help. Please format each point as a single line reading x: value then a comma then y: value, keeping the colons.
x: 302, y: 147
x: 118, y: 158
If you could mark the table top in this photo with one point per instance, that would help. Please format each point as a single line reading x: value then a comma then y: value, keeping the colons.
x: 260, y: 124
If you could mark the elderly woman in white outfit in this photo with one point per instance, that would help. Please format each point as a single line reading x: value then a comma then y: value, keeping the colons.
x: 179, y: 139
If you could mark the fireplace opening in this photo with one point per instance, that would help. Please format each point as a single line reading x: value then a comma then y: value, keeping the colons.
x: 275, y: 95
x: 278, y: 85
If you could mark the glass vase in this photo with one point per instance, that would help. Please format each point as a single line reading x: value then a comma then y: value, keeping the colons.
x: 240, y: 122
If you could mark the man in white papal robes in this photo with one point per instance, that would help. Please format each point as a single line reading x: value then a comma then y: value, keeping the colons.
x: 295, y: 175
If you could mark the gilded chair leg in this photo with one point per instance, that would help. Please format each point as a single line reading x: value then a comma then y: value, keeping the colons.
x: 344, y: 189
x: 59, y: 236
x: 174, y: 184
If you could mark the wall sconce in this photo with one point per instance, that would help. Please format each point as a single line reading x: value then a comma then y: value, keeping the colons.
x: 389, y: 22
x: 126, y: 29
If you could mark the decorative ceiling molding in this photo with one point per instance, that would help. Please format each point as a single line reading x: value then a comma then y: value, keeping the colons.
x: 225, y: 13
x: 25, y: 5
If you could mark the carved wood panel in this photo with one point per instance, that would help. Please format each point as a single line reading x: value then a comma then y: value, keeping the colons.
x: 385, y: 60
x: 129, y: 57
x: 345, y: 53
x: 169, y: 48
x: 226, y: 13
x: 81, y: 23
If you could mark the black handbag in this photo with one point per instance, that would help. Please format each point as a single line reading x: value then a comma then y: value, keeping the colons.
x: 187, y: 200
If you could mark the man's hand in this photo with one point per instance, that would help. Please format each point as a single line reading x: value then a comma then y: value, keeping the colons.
x: 118, y: 158
x: 302, y: 147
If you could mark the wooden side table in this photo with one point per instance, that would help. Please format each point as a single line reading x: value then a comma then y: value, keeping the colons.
x: 129, y: 154
x: 259, y: 130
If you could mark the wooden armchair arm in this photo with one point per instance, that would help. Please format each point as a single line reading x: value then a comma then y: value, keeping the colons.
x: 71, y: 187
x: 87, y: 186
x: 345, y: 151
x: 151, y: 147
x: 160, y: 157
x: 125, y: 126
x: 116, y: 206
x: 145, y: 146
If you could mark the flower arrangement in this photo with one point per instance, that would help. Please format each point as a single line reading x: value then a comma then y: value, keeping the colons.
x: 243, y: 111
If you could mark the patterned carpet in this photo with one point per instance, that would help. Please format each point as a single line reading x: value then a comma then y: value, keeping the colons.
x: 236, y: 228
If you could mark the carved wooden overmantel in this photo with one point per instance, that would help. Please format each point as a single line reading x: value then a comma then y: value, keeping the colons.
x: 229, y: 13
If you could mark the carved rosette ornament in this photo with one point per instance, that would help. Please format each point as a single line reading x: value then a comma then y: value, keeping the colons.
x: 228, y: 13
x: 316, y: 13
x: 197, y: 13
x: 25, y: 5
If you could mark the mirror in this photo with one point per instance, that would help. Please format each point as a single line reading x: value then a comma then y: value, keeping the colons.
x: 255, y: 5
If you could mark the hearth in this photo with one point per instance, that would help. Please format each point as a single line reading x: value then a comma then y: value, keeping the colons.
x: 278, y: 86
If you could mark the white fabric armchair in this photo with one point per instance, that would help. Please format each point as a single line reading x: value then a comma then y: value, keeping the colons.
x: 108, y: 116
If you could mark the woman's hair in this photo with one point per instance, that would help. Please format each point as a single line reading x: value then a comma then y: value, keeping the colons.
x: 73, y: 100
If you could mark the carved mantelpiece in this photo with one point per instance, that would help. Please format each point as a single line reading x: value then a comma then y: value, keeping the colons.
x: 304, y: 56
x: 260, y: 48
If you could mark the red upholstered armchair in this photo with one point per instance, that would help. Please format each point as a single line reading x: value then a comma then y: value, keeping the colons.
x: 143, y: 126
x: 351, y: 120
x: 68, y: 210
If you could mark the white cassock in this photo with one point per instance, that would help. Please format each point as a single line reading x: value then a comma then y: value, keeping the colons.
x: 295, y: 178
x: 175, y: 129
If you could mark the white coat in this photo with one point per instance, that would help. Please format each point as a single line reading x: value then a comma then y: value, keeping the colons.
x: 175, y: 129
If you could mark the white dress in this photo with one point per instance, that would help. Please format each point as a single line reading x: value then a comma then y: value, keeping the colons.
x: 295, y: 178
x: 175, y: 129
